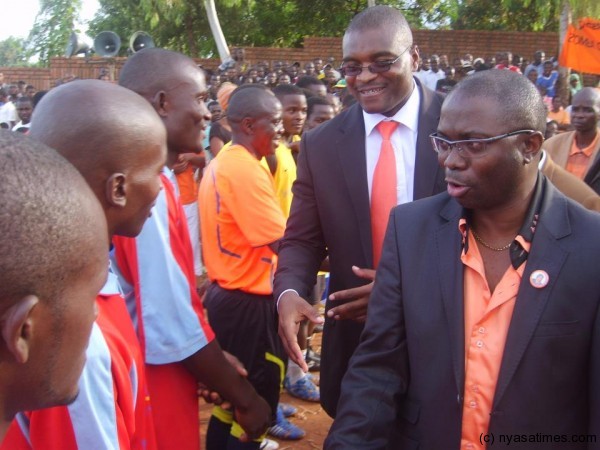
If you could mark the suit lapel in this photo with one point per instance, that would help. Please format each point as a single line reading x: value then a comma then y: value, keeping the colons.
x: 449, y: 247
x: 545, y: 255
x: 350, y: 146
x: 428, y: 174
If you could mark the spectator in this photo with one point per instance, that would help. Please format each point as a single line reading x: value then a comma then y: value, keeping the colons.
x: 537, y: 64
x: 559, y: 115
x: 505, y: 62
x: 312, y: 84
x: 445, y: 85
x: 577, y: 150
x: 574, y: 85
x: 548, y: 79
x: 24, y: 107
x: 319, y: 111
x: 220, y: 130
x: 8, y: 111
x: 434, y: 74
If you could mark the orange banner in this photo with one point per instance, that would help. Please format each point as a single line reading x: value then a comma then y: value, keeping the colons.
x: 581, y: 49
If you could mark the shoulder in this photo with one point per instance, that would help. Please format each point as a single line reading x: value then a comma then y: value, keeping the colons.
x: 431, y: 101
x: 346, y: 120
x: 558, y: 140
x: 428, y: 210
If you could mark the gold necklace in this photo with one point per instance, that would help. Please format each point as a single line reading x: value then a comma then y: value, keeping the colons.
x: 485, y: 244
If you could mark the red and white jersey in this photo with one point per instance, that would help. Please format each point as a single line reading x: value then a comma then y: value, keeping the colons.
x: 112, y: 410
x: 156, y: 271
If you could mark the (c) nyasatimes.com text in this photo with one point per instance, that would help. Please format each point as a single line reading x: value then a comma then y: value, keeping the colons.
x: 490, y: 439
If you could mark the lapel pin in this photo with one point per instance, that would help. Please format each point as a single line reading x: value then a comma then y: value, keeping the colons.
x: 539, y: 279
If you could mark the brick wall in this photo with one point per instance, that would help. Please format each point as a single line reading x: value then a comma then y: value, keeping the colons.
x: 452, y: 43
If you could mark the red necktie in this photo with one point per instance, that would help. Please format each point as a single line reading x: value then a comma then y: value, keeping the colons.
x: 383, y: 191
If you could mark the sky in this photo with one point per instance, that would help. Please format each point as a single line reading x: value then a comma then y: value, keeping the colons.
x: 18, y: 16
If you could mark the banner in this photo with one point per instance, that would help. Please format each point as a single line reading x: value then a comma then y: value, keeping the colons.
x: 581, y: 48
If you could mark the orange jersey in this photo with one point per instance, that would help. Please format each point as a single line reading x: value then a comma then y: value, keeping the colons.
x: 239, y: 217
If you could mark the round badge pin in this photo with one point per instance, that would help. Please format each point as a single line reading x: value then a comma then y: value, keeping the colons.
x: 539, y: 279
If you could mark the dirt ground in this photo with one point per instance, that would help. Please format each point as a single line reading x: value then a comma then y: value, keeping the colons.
x: 310, y: 417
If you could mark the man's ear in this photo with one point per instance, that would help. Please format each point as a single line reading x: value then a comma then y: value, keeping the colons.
x: 414, y: 54
x: 116, y: 190
x: 18, y: 327
x: 248, y: 125
x: 160, y: 103
x: 532, y: 146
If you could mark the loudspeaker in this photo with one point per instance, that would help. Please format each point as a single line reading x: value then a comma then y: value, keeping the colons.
x: 139, y: 41
x: 107, y: 44
x: 77, y: 44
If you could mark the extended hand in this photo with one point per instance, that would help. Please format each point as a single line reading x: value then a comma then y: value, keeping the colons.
x: 358, y: 298
x: 293, y: 309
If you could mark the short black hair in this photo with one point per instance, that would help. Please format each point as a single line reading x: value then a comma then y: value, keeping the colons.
x: 308, y: 80
x: 313, y: 101
x: 287, y: 89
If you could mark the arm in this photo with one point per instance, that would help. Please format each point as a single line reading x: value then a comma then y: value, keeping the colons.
x: 301, y: 252
x: 210, y: 367
x: 378, y: 371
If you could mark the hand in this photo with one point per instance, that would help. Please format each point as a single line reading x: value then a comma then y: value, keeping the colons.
x: 213, y: 396
x: 293, y: 309
x: 255, y: 419
x: 358, y: 298
x: 180, y: 166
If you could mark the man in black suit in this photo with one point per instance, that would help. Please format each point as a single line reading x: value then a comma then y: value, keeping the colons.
x: 484, y: 323
x: 337, y: 165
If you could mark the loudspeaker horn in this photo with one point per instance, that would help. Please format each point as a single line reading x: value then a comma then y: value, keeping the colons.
x: 139, y: 41
x: 107, y: 44
x: 77, y: 44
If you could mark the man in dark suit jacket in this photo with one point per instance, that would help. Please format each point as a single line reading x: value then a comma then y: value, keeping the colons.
x: 484, y: 322
x: 330, y: 212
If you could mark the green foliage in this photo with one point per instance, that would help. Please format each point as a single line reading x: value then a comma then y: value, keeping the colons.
x: 53, y: 25
x: 13, y: 52
x: 183, y: 25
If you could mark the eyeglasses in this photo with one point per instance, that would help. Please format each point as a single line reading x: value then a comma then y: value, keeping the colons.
x: 469, y: 148
x: 354, y: 70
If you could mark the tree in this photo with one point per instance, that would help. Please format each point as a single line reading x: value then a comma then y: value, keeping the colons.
x: 13, y: 52
x: 53, y: 25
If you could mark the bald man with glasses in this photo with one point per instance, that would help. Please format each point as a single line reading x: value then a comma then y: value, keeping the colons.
x: 483, y: 326
x: 351, y: 171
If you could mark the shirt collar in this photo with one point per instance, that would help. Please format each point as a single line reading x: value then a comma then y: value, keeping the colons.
x: 408, y: 115
x: 519, y: 249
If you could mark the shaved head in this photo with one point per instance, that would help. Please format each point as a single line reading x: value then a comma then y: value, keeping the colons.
x: 50, y: 222
x: 176, y: 88
x: 520, y: 103
x: 251, y: 101
x: 105, y: 131
x: 154, y: 69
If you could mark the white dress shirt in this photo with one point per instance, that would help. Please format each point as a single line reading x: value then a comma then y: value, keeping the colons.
x: 404, y: 142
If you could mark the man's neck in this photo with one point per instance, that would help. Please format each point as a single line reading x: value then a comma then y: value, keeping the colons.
x: 585, y: 138
x: 505, y: 222
x: 171, y: 158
